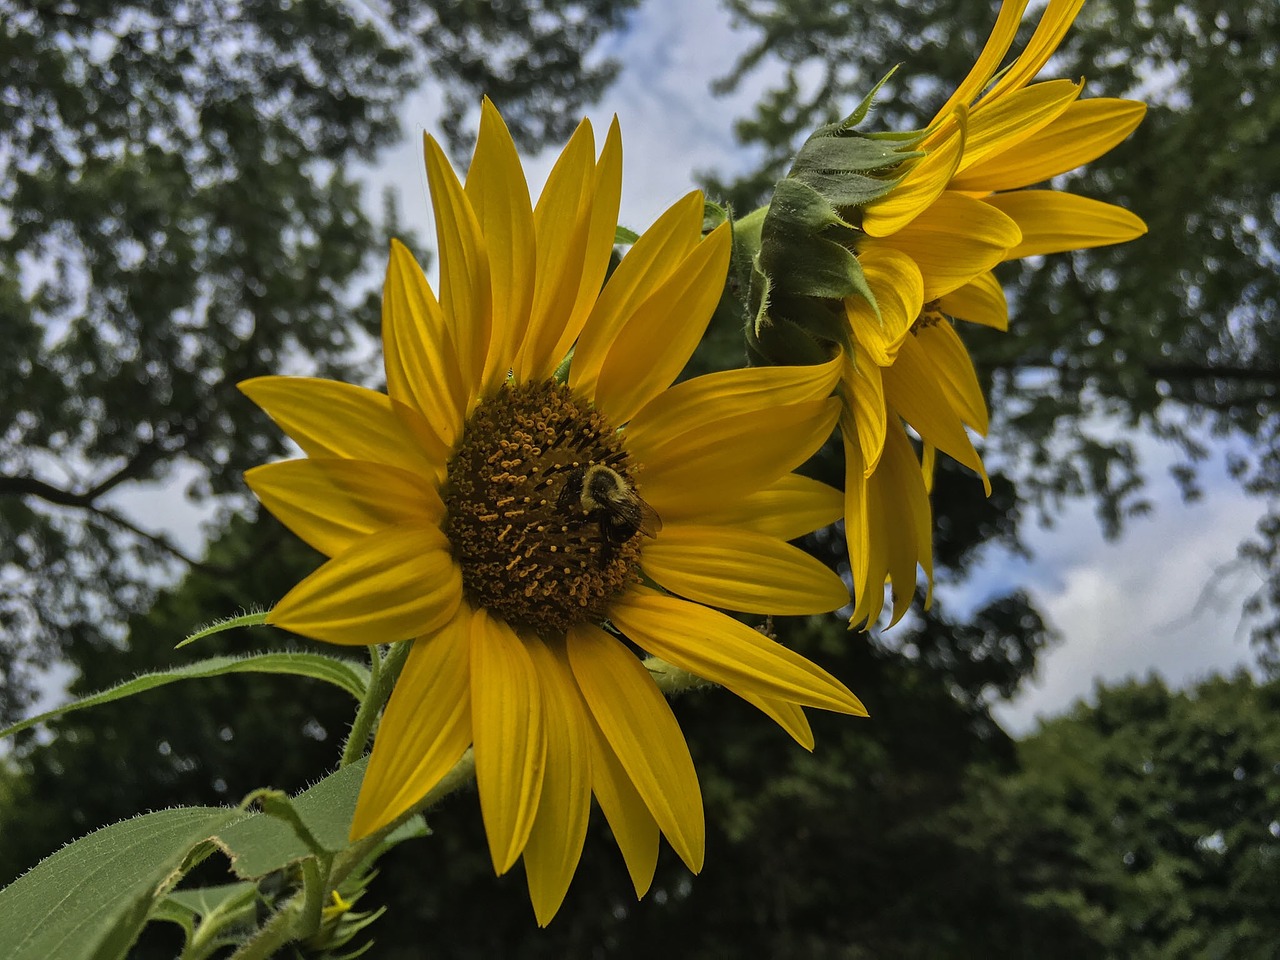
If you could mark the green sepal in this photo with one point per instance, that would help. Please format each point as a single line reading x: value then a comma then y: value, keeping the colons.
x: 624, y: 237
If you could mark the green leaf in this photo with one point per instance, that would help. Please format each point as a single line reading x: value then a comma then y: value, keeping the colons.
x: 623, y: 236
x: 90, y: 899
x: 262, y: 842
x: 227, y: 914
x: 351, y: 677
x: 256, y: 619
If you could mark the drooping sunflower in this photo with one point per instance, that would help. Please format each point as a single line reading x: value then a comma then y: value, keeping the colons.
x: 525, y: 523
x: 927, y: 252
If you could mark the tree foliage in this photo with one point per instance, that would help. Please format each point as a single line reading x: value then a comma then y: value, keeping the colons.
x: 178, y: 215
x: 1148, y: 815
x: 1175, y: 334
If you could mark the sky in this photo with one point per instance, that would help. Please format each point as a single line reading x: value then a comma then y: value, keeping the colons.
x: 1164, y: 597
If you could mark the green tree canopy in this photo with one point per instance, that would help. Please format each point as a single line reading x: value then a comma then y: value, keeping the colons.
x: 1150, y: 816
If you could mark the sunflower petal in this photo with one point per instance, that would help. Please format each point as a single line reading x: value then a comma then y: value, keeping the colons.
x: 510, y: 742
x: 601, y: 230
x: 997, y: 45
x: 954, y: 241
x: 898, y: 286
x: 741, y: 454
x: 499, y: 195
x: 1003, y: 124
x: 420, y: 358
x: 741, y: 570
x: 392, y: 585
x: 562, y: 221
x: 924, y: 179
x: 633, y: 826
x: 651, y: 260
x: 424, y: 730
x: 788, y: 508
x: 331, y: 504
x: 1085, y: 131
x: 865, y: 401
x: 560, y: 830
x: 729, y: 393
x: 956, y: 376
x: 1054, y: 222
x: 658, y: 339
x: 466, y: 293
x: 981, y: 300
x: 639, y: 727
x: 789, y: 716
x: 720, y: 649
x: 914, y: 387
x: 1054, y: 22
x: 331, y: 419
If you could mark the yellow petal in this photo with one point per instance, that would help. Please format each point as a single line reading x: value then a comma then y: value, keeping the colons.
x: 948, y: 357
x: 421, y: 358
x: 424, y: 730
x: 789, y: 716
x: 660, y: 336
x: 510, y: 743
x: 1054, y: 222
x: 395, y: 584
x: 331, y: 419
x: 720, y: 649
x: 993, y: 51
x: 601, y: 230
x: 639, y: 727
x: 896, y: 530
x: 633, y: 826
x: 727, y: 394
x: 863, y: 395
x: 896, y: 282
x: 741, y: 570
x: 788, y: 508
x: 954, y: 241
x: 466, y: 294
x: 331, y: 504
x: 651, y: 260
x: 1085, y: 131
x: 981, y: 300
x: 562, y: 221
x: 914, y: 387
x: 924, y: 179
x: 1003, y: 124
x: 555, y: 843
x: 861, y: 530
x: 716, y: 461
x: 1054, y: 23
x: 499, y: 195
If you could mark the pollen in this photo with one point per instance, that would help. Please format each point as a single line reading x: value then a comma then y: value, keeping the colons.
x: 529, y: 552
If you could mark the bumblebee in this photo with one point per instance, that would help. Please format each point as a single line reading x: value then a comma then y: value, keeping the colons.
x: 609, y: 500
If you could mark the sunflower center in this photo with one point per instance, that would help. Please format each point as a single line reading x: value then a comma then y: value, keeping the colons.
x: 532, y: 500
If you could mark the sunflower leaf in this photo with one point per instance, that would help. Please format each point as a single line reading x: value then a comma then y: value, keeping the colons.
x: 91, y: 898
x: 350, y: 676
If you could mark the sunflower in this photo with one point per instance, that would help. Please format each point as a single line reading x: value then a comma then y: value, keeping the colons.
x: 527, y: 523
x: 927, y: 252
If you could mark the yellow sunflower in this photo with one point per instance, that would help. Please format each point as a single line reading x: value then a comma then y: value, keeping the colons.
x: 927, y: 253
x: 524, y: 528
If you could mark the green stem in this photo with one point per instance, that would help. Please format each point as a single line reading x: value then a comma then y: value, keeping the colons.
x: 382, y: 677
x: 746, y: 229
x: 314, y: 887
x: 274, y: 934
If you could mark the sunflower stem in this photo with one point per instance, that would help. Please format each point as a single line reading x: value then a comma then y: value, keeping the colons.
x: 272, y: 935
x: 315, y: 874
x: 382, y: 676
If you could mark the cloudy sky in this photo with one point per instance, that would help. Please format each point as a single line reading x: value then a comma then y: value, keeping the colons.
x: 1164, y: 598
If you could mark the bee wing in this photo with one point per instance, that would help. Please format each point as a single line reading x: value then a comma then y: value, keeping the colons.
x: 650, y: 523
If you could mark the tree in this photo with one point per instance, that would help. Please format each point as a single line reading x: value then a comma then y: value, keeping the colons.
x: 1150, y: 816
x: 1176, y: 334
x: 179, y: 216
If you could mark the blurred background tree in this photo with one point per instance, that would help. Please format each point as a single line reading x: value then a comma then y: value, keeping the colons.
x: 926, y: 831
